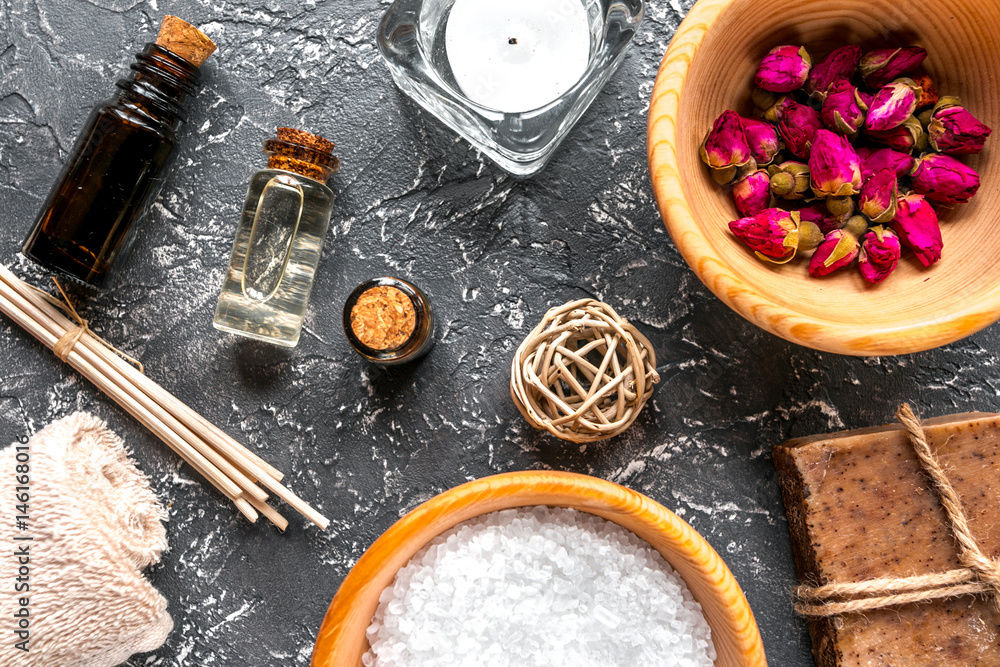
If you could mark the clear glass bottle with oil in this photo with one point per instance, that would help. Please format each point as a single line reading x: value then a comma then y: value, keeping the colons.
x: 279, y: 240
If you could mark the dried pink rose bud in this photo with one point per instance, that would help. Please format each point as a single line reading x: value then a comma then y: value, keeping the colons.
x: 821, y: 217
x: 925, y: 118
x: 838, y: 250
x: 763, y: 99
x: 773, y: 234
x: 856, y: 226
x: 798, y: 126
x: 876, y: 159
x: 752, y: 193
x: 943, y: 179
x: 880, y: 253
x: 881, y: 66
x: 784, y: 69
x: 955, y: 131
x: 810, y: 235
x: 842, y: 207
x: 834, y: 165
x: 776, y: 112
x: 917, y: 225
x: 946, y: 102
x: 725, y: 147
x: 762, y: 138
x: 839, y: 65
x: 905, y: 138
x: 843, y: 111
x: 892, y: 105
x: 790, y: 180
x: 878, y: 197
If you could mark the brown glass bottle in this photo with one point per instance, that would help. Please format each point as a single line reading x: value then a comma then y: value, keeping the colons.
x: 114, y: 169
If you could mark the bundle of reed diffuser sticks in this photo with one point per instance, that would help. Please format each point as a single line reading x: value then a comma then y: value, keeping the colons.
x: 229, y: 466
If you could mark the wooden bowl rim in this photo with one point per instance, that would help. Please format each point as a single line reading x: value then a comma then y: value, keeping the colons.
x: 563, y: 489
x: 714, y: 270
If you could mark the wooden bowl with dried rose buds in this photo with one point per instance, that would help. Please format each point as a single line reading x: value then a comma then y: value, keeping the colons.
x: 835, y: 243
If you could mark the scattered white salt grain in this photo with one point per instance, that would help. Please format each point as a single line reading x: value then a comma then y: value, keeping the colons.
x: 538, y: 586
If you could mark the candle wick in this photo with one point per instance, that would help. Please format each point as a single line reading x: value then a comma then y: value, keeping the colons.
x: 512, y: 40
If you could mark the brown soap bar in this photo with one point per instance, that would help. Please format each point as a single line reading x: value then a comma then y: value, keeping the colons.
x: 859, y: 507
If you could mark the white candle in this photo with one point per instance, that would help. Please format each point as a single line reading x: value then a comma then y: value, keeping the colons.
x: 517, y: 55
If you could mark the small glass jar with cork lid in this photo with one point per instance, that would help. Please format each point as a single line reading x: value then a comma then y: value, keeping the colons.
x: 389, y: 321
x: 279, y: 240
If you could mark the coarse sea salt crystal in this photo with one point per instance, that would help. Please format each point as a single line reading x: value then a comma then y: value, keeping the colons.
x: 538, y: 586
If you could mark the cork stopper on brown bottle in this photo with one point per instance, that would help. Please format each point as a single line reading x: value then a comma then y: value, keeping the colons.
x: 300, y: 152
x: 183, y: 39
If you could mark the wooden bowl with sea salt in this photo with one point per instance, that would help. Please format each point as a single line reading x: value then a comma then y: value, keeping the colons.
x: 342, y: 639
x: 709, y: 68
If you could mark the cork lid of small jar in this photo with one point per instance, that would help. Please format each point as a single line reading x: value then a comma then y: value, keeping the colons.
x: 302, y: 153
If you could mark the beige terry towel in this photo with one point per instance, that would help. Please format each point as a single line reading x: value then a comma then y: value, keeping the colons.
x: 96, y: 524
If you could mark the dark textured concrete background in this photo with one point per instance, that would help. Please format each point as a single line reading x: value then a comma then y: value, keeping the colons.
x: 366, y: 444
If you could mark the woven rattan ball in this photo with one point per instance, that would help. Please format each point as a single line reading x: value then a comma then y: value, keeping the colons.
x: 584, y: 373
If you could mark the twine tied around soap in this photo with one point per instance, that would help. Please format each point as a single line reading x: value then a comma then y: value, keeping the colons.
x: 584, y: 373
x: 979, y: 575
x: 64, y: 346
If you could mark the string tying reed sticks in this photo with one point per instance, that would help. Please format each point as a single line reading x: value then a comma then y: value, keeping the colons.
x: 65, y: 344
x: 229, y: 466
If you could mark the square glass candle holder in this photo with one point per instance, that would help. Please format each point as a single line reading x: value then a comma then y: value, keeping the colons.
x: 510, y: 76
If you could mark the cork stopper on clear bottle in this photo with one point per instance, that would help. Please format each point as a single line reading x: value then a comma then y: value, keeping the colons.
x: 302, y: 153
